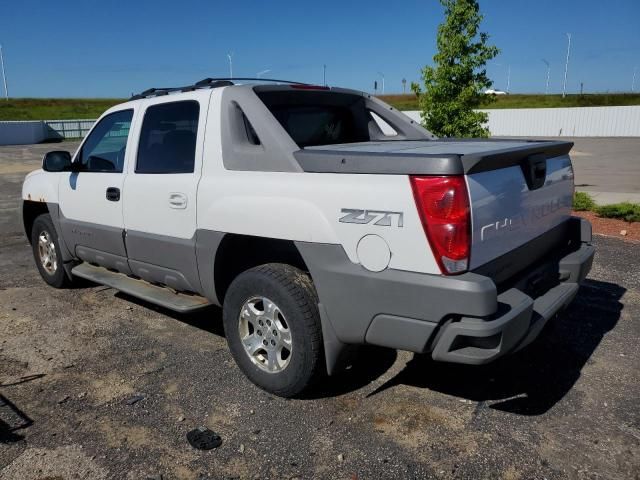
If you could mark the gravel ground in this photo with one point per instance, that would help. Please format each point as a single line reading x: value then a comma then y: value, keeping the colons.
x: 97, y: 385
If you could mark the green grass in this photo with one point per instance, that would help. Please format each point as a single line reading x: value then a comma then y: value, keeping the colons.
x: 73, y: 108
x: 624, y: 211
x: 54, y: 108
x: 627, y: 211
x: 582, y: 201
x: 410, y: 101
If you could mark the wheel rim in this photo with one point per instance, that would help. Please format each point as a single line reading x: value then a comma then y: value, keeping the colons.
x: 265, y: 335
x: 47, y: 252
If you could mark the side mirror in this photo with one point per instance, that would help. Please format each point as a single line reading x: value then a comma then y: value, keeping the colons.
x: 56, y: 161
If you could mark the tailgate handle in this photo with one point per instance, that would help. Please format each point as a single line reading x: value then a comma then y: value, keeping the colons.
x: 534, y: 169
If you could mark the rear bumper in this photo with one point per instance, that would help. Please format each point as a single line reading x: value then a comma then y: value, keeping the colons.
x: 477, y: 340
x: 463, y: 319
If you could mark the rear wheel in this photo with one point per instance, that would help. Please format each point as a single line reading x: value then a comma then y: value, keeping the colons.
x: 272, y: 325
x: 46, y: 252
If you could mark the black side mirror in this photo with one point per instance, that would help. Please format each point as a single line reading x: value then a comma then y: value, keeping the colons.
x: 56, y: 161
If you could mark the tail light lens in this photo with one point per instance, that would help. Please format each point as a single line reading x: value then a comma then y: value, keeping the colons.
x: 443, y: 205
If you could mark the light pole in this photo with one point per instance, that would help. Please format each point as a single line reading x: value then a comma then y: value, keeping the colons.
x: 229, y: 55
x: 259, y: 74
x: 508, y: 77
x: 633, y: 80
x: 324, y: 75
x: 404, y: 86
x: 566, y: 66
x: 4, y: 76
x: 382, y: 75
x: 546, y: 87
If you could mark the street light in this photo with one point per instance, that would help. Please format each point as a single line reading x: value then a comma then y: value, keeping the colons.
x: 4, y: 76
x: 633, y: 80
x: 382, y: 75
x: 229, y: 55
x: 508, y: 77
x: 546, y: 88
x: 259, y: 74
x: 566, y: 66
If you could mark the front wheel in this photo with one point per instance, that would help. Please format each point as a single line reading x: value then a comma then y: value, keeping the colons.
x: 46, y: 252
x: 272, y: 325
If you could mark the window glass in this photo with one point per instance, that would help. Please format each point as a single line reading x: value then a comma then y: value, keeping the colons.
x: 386, y: 129
x: 104, y: 148
x: 168, y: 138
x: 314, y: 118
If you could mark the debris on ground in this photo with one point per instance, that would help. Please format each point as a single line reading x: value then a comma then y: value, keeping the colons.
x: 204, y: 439
x: 134, y: 399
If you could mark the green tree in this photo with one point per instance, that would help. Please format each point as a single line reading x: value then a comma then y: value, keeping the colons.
x: 453, y: 85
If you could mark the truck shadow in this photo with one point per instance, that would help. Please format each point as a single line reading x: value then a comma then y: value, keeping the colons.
x: 533, y: 380
x: 12, y: 419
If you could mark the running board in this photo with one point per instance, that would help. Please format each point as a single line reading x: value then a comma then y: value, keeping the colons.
x: 164, y: 297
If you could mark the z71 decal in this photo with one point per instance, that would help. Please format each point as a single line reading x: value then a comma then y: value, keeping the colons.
x: 378, y: 217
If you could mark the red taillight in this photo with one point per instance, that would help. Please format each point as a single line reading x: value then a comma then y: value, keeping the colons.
x: 304, y: 86
x: 443, y: 205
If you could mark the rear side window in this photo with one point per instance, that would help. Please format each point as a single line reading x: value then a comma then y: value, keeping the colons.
x: 168, y: 138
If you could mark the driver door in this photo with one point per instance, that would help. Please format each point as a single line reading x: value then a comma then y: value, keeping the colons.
x: 91, y: 196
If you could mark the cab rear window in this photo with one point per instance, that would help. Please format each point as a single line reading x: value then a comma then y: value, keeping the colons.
x: 313, y: 118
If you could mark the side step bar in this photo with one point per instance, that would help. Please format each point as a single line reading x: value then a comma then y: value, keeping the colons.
x: 178, y: 302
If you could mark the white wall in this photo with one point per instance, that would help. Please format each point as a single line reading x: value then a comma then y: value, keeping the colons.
x: 563, y: 122
x: 22, y: 133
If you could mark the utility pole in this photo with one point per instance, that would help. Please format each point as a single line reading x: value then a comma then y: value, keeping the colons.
x: 546, y: 87
x: 382, y: 75
x: 4, y: 76
x: 566, y: 66
x: 508, y: 77
x: 229, y: 55
x: 324, y: 75
x: 633, y: 81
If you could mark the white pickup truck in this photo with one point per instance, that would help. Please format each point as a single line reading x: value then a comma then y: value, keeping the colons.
x: 319, y: 219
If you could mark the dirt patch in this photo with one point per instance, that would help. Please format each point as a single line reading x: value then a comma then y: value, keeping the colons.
x: 612, y: 227
x: 62, y: 462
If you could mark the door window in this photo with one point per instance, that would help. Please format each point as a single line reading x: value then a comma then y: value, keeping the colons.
x: 104, y: 148
x: 168, y: 138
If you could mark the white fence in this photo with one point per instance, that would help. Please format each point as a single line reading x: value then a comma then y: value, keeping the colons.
x: 69, y: 128
x: 526, y: 122
x: 562, y: 122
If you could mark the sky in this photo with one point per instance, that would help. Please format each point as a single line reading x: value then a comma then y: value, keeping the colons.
x: 109, y: 48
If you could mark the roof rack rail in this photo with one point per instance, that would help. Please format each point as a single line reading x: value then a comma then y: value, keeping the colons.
x: 207, y: 83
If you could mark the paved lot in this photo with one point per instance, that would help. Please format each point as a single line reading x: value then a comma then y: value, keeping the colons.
x: 607, y: 168
x: 71, y: 361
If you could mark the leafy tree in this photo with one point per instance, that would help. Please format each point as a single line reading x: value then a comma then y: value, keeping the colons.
x: 453, y: 86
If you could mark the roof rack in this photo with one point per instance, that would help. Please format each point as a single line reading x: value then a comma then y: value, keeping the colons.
x: 206, y: 83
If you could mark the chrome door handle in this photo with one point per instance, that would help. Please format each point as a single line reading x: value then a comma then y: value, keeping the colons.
x: 177, y: 200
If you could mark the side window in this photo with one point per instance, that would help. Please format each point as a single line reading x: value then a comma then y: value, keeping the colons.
x: 168, y: 138
x: 104, y: 148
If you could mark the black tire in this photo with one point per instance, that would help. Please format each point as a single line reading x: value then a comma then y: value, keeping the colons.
x: 292, y: 291
x: 57, y: 277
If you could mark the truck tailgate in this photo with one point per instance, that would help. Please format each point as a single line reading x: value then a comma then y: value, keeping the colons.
x: 506, y: 213
x: 518, y: 189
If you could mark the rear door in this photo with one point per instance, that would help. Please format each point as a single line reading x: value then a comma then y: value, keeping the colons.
x: 160, y: 191
x: 91, y: 198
